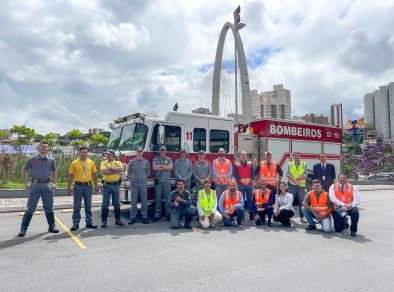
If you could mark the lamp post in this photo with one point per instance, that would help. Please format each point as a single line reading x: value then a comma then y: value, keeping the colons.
x: 237, y: 26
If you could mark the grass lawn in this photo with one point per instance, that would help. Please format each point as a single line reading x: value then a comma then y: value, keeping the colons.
x: 20, y: 185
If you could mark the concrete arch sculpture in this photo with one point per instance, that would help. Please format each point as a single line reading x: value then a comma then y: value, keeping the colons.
x: 245, y: 89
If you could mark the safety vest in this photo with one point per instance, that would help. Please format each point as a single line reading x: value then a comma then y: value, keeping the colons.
x: 320, y: 205
x: 221, y: 170
x: 262, y: 198
x: 270, y: 175
x: 297, y: 172
x: 228, y: 202
x: 206, y: 204
x: 244, y: 172
x: 345, y: 197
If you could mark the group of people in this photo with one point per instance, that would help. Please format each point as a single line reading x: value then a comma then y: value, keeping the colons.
x: 233, y: 193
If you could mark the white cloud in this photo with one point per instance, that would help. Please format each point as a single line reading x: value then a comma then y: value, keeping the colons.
x: 125, y: 36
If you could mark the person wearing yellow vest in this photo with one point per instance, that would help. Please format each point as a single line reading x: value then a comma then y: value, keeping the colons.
x: 222, y: 172
x: 346, y: 198
x: 207, y: 206
x: 111, y: 170
x: 82, y: 171
x: 263, y: 200
x: 297, y: 174
x: 269, y: 171
x: 231, y: 205
x: 317, y: 205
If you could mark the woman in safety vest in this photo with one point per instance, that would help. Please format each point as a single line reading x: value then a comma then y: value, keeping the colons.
x: 207, y: 206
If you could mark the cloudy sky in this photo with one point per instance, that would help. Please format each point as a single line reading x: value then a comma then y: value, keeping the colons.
x: 80, y: 64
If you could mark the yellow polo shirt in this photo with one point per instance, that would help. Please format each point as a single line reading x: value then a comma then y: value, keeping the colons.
x: 113, y: 164
x: 82, y: 170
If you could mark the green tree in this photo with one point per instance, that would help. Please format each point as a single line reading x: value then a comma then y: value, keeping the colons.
x: 3, y: 136
x: 75, y: 137
x: 97, y: 140
x: 23, y: 137
x: 51, y: 139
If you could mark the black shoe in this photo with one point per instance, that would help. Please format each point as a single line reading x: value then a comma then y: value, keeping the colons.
x: 269, y: 224
x: 52, y: 229
x: 156, y: 219
x: 145, y: 221
x: 239, y: 225
x: 188, y: 226
x: 104, y: 224
x: 119, y: 223
x: 251, y: 216
x: 311, y: 227
x: 91, y: 226
x: 353, y: 233
x: 74, y: 227
x: 22, y: 232
x: 131, y: 222
x: 287, y: 225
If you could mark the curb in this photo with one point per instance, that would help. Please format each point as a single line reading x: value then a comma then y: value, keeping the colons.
x: 40, y: 208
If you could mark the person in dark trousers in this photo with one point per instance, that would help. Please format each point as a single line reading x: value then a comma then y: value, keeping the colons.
x: 324, y: 172
x: 269, y: 171
x: 346, y: 199
x: 283, y: 208
x: 231, y: 205
x: 263, y: 199
x: 181, y: 206
x: 41, y: 169
x: 244, y: 174
x: 82, y: 171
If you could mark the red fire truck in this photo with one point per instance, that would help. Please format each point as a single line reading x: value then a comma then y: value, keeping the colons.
x: 196, y: 132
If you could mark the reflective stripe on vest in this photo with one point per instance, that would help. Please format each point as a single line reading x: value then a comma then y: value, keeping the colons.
x: 261, y: 198
x: 345, y: 197
x: 270, y: 175
x: 298, y: 172
x: 205, y: 204
x: 320, y: 206
x: 221, y: 170
x: 228, y: 202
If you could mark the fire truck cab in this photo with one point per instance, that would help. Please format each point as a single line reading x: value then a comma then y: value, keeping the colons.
x: 175, y: 130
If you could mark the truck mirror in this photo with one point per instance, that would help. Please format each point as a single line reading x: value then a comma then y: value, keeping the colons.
x: 161, y: 135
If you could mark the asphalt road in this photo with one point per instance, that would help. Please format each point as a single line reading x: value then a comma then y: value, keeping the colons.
x: 154, y: 258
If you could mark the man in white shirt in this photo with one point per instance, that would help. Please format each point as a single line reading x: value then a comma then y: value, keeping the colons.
x: 345, y: 198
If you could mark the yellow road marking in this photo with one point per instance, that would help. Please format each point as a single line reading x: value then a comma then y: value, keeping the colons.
x: 67, y: 210
x: 197, y: 229
x: 72, y: 235
x: 35, y: 213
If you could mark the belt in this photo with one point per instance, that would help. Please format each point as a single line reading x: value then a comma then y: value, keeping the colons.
x: 40, y: 181
x: 111, y: 183
x: 83, y: 183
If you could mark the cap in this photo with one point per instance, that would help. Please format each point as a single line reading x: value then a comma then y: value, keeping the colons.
x: 139, y: 148
x: 162, y: 147
x: 182, y: 150
x: 110, y: 151
x: 268, y: 152
x: 201, y: 152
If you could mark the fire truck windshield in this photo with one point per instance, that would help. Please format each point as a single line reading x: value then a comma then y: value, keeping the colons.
x: 129, y: 137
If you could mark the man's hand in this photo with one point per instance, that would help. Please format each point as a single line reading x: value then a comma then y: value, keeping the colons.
x: 176, y: 204
x: 54, y: 186
x: 349, y: 206
x: 69, y: 191
x: 202, y: 217
x: 276, y: 214
x: 258, y: 205
x: 212, y: 214
x: 319, y: 216
x: 179, y: 199
x: 232, y: 210
x: 256, y: 217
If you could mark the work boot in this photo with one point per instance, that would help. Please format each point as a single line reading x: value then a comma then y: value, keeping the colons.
x: 117, y: 217
x: 104, y: 216
x: 251, y: 216
x: 269, y: 223
x: 51, y: 222
x: 25, y: 224
x: 75, y: 227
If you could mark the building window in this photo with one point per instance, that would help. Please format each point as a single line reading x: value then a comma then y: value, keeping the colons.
x: 199, y: 139
x: 219, y: 139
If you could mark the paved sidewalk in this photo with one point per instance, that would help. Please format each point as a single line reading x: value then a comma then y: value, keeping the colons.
x: 59, y: 202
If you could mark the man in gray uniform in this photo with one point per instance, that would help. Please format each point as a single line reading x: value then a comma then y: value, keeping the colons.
x: 162, y: 165
x: 201, y: 171
x: 41, y: 169
x: 183, y: 169
x: 138, y: 171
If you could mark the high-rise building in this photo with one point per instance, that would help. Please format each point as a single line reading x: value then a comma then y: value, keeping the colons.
x: 337, y: 115
x: 274, y: 104
x: 313, y: 118
x: 378, y: 111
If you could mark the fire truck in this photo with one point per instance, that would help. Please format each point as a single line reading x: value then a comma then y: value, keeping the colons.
x: 175, y: 130
x: 196, y: 132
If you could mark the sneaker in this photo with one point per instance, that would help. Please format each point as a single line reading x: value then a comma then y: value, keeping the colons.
x: 74, y: 227
x: 91, y: 226
x: 131, y: 222
x: 145, y: 221
x: 119, y: 223
x: 353, y: 233
x: 303, y: 220
x: 188, y: 226
x: 22, y: 233
x: 311, y: 227
x: 239, y: 225
x: 52, y: 229
x: 104, y: 224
